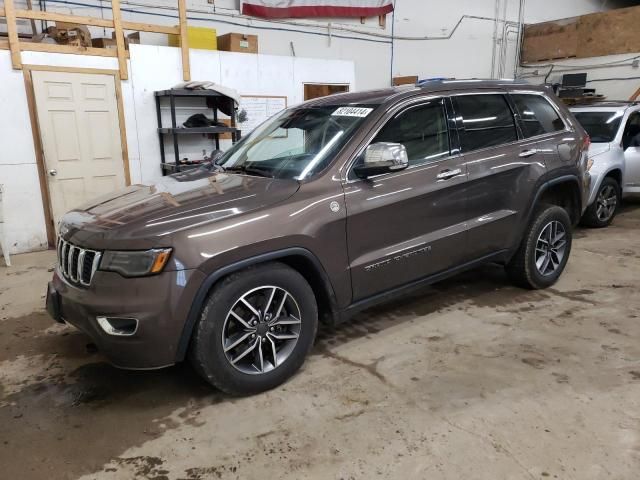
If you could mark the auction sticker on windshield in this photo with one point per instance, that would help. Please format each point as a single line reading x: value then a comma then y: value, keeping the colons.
x: 352, y: 112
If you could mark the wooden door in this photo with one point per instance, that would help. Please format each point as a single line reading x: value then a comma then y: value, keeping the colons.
x: 80, y: 133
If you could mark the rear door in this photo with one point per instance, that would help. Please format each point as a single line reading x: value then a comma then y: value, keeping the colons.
x: 631, y: 145
x: 406, y: 225
x: 504, y: 166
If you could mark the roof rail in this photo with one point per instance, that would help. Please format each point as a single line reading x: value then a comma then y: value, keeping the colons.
x: 429, y: 81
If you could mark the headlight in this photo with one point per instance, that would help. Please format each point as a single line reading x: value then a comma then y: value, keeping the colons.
x: 589, y: 164
x: 135, y: 263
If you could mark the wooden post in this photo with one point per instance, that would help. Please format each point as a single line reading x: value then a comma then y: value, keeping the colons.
x: 34, y: 31
x: 12, y: 30
x: 120, y: 48
x: 184, y: 40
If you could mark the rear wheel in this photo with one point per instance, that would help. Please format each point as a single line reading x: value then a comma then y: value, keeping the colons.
x: 544, y: 250
x: 255, y: 330
x: 601, y: 212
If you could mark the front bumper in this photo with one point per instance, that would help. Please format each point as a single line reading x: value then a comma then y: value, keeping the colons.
x: 160, y: 303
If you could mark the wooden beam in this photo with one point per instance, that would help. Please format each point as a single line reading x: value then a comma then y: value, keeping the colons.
x: 635, y: 96
x: 62, y: 17
x: 147, y: 27
x: 12, y: 30
x: 120, y: 46
x: 40, y: 163
x: 93, y: 21
x: 184, y: 40
x: 55, y: 48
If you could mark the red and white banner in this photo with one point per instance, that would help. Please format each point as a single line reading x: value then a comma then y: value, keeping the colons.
x: 316, y: 8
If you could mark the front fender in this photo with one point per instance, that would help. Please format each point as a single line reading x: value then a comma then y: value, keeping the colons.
x: 215, y: 276
x: 603, y: 165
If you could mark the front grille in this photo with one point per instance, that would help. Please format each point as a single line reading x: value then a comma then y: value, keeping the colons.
x: 77, y: 264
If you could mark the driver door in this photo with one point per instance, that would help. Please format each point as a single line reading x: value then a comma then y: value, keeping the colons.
x: 406, y: 225
x: 631, y: 145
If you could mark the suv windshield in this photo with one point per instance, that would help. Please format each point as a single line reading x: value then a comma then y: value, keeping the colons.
x: 601, y: 126
x: 296, y: 143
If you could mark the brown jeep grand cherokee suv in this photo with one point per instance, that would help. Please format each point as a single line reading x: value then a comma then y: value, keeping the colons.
x: 323, y: 210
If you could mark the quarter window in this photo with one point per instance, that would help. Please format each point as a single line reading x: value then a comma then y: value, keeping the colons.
x: 422, y: 129
x: 487, y: 121
x: 537, y: 115
x: 631, y: 136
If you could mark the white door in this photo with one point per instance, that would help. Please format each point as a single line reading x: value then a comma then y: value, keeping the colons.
x: 631, y: 142
x: 80, y: 132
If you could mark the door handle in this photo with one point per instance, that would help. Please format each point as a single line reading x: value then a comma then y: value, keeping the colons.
x: 447, y: 174
x: 53, y: 172
x: 528, y: 153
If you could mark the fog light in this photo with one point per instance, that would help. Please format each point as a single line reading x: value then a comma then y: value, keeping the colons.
x: 118, y: 326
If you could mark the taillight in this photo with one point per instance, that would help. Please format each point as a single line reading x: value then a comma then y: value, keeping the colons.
x: 586, y: 143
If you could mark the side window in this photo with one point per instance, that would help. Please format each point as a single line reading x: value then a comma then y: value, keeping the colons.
x: 422, y: 129
x: 631, y: 135
x: 537, y: 115
x: 487, y: 121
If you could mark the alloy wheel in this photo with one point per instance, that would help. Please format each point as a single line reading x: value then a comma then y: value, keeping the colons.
x: 607, y: 202
x: 261, y: 330
x: 550, y: 248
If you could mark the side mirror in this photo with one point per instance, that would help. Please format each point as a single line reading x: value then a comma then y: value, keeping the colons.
x: 382, y: 157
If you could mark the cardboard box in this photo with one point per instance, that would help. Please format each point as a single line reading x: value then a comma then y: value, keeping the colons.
x: 73, y: 34
x: 202, y: 38
x: 111, y: 42
x: 238, y: 42
x: 103, y: 43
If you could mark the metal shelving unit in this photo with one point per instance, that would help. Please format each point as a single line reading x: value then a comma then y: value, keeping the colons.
x: 176, y: 131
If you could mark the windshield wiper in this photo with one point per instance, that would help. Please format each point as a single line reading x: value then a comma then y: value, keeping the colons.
x: 248, y: 170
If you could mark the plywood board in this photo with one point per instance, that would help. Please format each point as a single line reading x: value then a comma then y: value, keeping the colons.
x: 549, y: 40
x: 406, y: 80
x: 597, y: 34
x: 608, y: 33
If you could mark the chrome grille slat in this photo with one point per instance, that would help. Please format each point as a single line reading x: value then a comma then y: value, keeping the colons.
x: 76, y: 264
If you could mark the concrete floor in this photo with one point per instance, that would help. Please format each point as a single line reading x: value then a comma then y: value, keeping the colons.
x: 469, y: 379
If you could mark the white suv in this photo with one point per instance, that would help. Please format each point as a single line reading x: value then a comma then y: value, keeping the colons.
x: 614, y: 128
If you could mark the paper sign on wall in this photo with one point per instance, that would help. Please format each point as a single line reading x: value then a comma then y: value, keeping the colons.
x: 255, y: 109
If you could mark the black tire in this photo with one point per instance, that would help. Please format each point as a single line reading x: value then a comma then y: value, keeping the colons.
x: 522, y: 269
x: 207, y: 353
x: 599, y: 214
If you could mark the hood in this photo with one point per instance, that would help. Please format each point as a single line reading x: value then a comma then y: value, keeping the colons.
x: 146, y: 216
x: 598, y: 148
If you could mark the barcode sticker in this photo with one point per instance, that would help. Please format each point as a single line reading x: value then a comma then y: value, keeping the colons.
x: 352, y: 112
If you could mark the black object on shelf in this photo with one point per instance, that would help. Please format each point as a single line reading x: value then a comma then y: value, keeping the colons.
x: 215, y: 101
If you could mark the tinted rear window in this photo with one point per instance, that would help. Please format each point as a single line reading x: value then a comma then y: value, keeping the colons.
x: 601, y: 126
x: 537, y: 115
x: 487, y: 121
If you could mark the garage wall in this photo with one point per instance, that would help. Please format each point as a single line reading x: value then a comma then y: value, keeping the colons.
x: 467, y: 53
x: 249, y: 74
x: 151, y: 68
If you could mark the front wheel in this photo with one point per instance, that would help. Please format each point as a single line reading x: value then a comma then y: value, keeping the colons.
x: 255, y: 330
x: 544, y: 250
x: 601, y: 212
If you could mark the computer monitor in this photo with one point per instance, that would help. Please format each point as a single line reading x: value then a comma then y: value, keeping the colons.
x: 574, y: 80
